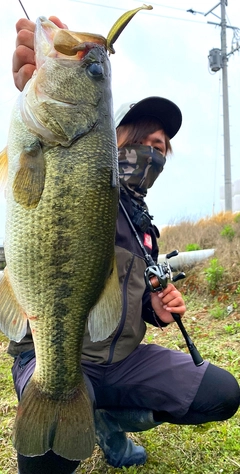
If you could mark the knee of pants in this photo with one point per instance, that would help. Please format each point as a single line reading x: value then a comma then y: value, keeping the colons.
x: 219, y: 392
x: 23, y: 369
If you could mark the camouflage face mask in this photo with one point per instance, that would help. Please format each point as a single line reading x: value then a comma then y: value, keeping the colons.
x: 139, y: 167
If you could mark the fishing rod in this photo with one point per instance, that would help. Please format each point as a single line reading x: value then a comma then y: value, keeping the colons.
x: 156, y: 278
x: 24, y: 9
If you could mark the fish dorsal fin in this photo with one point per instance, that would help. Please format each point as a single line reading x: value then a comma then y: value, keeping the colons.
x: 13, y: 321
x: 120, y: 24
x: 30, y: 178
x: 3, y: 168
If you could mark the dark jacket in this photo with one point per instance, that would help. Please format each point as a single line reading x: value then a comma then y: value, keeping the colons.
x: 136, y: 307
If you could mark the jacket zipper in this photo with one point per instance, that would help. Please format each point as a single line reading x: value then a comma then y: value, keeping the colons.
x: 123, y: 317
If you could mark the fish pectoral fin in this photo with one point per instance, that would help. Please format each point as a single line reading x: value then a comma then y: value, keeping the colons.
x: 105, y: 315
x: 65, y: 426
x: 3, y: 168
x: 30, y: 178
x: 13, y: 320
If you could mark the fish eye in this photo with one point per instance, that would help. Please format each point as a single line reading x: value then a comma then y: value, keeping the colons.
x: 95, y: 70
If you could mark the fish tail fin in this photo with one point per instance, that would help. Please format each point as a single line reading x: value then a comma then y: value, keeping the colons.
x: 63, y: 426
x: 105, y: 315
x: 3, y: 169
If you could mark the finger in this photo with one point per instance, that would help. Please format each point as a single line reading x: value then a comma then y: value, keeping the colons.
x: 170, y: 287
x: 178, y: 310
x: 155, y: 297
x: 177, y: 301
x: 58, y: 22
x: 24, y: 24
x: 22, y: 76
x: 23, y: 65
x: 175, y: 306
x: 22, y: 55
x: 172, y: 295
x: 25, y: 38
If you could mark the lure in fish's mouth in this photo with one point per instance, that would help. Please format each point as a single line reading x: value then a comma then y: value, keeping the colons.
x: 71, y: 44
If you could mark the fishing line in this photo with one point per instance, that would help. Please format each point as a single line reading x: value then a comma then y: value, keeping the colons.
x: 24, y: 9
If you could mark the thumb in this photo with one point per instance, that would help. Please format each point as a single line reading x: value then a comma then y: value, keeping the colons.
x: 58, y: 22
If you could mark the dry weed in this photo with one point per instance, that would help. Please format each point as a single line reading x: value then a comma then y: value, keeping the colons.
x: 221, y: 232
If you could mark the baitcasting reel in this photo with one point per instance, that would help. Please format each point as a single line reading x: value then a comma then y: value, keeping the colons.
x: 156, y: 278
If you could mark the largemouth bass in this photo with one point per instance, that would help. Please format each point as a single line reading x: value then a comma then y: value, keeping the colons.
x: 62, y: 202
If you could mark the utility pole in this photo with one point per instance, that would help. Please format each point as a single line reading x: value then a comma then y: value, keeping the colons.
x: 218, y: 59
x: 226, y: 132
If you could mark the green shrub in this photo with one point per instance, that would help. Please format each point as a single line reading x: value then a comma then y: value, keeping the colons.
x: 214, y: 274
x: 228, y: 232
x: 237, y: 218
x: 190, y: 247
x: 218, y: 312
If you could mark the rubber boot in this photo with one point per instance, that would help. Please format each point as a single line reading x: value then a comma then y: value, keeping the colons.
x: 135, y: 420
x: 111, y: 427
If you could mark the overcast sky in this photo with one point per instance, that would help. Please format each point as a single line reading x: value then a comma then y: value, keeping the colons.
x: 161, y: 52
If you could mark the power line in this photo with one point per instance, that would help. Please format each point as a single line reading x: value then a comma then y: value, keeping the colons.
x: 166, y: 6
x: 152, y: 14
x: 99, y: 5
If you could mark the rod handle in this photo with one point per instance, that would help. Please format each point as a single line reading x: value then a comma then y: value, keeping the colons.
x: 196, y: 357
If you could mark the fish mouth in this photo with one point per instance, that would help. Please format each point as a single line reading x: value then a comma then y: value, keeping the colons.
x: 76, y: 45
x: 49, y: 102
x: 62, y: 43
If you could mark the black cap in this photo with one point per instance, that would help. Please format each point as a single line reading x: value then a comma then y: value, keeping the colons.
x: 162, y: 109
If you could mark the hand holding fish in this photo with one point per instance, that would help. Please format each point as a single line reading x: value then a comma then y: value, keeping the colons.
x: 24, y: 57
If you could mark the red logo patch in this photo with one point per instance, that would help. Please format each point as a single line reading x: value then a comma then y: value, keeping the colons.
x: 147, y: 241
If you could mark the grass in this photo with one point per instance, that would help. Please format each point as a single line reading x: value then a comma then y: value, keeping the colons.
x: 213, y: 322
